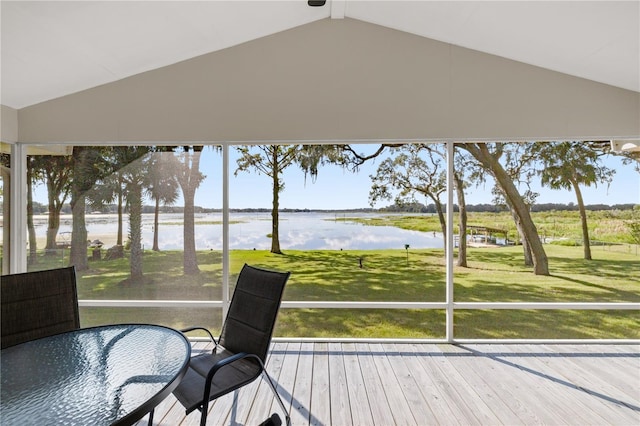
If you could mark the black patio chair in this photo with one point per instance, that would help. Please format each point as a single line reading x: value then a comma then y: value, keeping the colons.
x: 38, y: 304
x: 239, y: 355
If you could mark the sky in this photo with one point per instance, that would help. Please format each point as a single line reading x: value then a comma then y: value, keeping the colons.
x: 338, y: 189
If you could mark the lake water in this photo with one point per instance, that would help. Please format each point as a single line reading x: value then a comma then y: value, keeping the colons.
x: 298, y: 231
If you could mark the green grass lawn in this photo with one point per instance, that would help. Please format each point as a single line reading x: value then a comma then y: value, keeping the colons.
x: 493, y: 275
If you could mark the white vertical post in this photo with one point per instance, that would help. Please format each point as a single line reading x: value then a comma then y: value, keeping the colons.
x: 225, y: 230
x: 18, y: 209
x: 6, y: 218
x: 449, y: 243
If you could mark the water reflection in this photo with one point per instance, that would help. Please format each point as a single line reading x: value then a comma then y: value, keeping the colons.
x: 298, y: 231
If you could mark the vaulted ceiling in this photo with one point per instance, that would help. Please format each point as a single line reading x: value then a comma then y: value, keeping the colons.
x: 54, y: 48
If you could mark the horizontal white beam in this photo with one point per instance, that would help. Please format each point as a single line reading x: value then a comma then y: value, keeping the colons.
x: 547, y: 305
x: 364, y: 305
x: 150, y: 303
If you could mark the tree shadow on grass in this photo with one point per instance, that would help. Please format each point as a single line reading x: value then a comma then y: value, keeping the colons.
x: 544, y: 324
x: 163, y: 279
x: 384, y: 276
x: 389, y: 323
x: 614, y: 294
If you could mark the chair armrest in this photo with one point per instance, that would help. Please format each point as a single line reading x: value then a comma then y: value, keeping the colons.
x: 206, y: 330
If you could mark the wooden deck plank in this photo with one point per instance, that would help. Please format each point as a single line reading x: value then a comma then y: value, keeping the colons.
x: 340, y: 403
x: 596, y: 370
x: 606, y: 401
x: 523, y: 388
x: 390, y: 366
x: 374, y: 384
x: 320, y: 412
x: 426, y: 386
x: 246, y: 396
x: 408, y: 387
x: 448, y: 363
x: 360, y: 408
x: 261, y: 407
x: 343, y: 384
x: 524, y: 391
x: 488, y: 382
x: 459, y: 407
x: 542, y: 383
x: 219, y: 410
x: 566, y: 403
x: 510, y: 386
x: 608, y: 396
x: 287, y: 380
x: 301, y: 402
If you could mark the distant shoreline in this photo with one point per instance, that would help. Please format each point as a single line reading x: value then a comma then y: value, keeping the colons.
x: 413, y: 208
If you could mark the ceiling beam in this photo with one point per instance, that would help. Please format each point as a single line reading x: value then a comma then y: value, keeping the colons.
x: 337, y: 9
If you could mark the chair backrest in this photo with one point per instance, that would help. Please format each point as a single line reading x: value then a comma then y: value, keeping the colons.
x: 252, y: 313
x: 38, y: 304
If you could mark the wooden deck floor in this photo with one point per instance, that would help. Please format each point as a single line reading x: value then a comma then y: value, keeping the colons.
x: 423, y: 384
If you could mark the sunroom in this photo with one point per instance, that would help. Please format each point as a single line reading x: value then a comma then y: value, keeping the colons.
x: 203, y: 82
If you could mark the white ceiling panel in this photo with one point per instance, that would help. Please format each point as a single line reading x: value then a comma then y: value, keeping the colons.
x: 54, y: 48
x: 597, y: 40
x: 51, y: 49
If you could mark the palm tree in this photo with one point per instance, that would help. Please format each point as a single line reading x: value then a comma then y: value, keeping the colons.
x: 162, y: 187
x: 111, y: 188
x: 128, y: 176
x: 189, y: 177
x: 134, y: 177
x: 89, y: 166
x: 568, y: 165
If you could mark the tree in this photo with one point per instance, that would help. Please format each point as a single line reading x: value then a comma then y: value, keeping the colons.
x: 270, y: 160
x: 110, y: 190
x: 162, y: 187
x: 415, y: 169
x: 461, y: 162
x: 134, y: 176
x: 568, y: 165
x: 31, y: 177
x: 349, y: 158
x: 88, y: 167
x: 634, y: 224
x: 346, y: 156
x: 518, y: 165
x: 189, y: 177
x: 490, y: 161
x: 112, y: 186
x: 57, y: 172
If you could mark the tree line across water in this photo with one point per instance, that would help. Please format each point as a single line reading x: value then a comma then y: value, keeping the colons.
x: 94, y: 178
x: 40, y: 208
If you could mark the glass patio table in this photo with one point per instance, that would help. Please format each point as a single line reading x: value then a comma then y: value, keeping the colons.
x: 107, y: 375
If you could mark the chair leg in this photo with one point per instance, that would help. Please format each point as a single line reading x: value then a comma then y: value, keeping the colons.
x: 203, y: 414
x: 150, y: 423
x: 275, y: 392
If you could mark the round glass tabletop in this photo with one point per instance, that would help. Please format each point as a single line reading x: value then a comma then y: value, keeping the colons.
x: 100, y: 376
